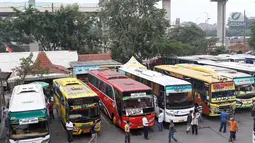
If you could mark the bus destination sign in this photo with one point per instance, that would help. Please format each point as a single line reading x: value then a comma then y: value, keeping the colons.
x: 223, y: 86
x: 177, y: 89
x: 138, y: 95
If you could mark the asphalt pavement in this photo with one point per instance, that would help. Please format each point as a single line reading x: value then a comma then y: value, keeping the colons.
x: 207, y: 133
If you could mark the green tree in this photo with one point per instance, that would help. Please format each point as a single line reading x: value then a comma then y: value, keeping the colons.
x: 133, y: 28
x: 66, y: 28
x: 252, y: 38
x: 192, y: 36
x: 28, y: 67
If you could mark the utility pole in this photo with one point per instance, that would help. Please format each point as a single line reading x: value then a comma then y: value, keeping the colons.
x: 245, y: 24
x: 1, y: 90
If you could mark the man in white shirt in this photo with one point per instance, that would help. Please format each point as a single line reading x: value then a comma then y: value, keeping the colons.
x: 160, y: 121
x: 145, y: 127
x: 69, y: 129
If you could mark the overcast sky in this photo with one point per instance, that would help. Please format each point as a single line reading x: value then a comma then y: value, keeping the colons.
x: 187, y: 10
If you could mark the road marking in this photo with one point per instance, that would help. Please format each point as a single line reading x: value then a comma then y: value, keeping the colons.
x: 105, y: 119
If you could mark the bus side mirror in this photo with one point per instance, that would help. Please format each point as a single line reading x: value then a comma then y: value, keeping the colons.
x: 7, y: 135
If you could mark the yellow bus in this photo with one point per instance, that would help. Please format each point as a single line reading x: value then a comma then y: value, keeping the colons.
x: 244, y: 83
x: 214, y: 93
x: 78, y: 103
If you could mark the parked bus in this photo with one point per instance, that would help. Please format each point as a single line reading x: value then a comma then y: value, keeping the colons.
x: 123, y: 99
x: 214, y: 93
x: 171, y: 95
x: 244, y: 83
x: 27, y: 118
x: 240, y: 67
x: 78, y: 103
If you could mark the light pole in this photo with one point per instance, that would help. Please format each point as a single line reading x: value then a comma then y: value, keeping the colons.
x: 197, y: 20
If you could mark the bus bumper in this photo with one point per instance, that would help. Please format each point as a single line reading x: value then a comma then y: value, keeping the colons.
x: 244, y: 103
x: 81, y: 128
x: 45, y: 139
x: 177, y: 116
x: 215, y: 109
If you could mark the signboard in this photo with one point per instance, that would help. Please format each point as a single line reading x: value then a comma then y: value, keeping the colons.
x: 178, y: 89
x: 244, y: 81
x: 28, y: 121
x: 236, y: 19
x: 83, y: 69
x: 222, y: 86
x: 138, y: 95
x: 136, y: 111
x: 176, y: 75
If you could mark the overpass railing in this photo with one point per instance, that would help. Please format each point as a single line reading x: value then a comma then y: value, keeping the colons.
x: 45, y: 4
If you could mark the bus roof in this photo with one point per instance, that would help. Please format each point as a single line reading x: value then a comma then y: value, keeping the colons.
x: 119, y: 81
x: 206, y: 77
x: 74, y: 88
x: 155, y: 77
x: 27, y: 97
x: 230, y: 65
x: 225, y: 72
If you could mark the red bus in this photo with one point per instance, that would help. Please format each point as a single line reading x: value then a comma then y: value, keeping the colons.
x: 122, y: 98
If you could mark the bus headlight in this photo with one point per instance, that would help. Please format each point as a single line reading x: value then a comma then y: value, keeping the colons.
x: 169, y: 113
x: 76, y: 128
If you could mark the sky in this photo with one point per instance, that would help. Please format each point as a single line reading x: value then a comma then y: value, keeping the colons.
x: 187, y: 10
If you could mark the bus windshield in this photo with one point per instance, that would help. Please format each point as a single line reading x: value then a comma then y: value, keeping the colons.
x: 29, y: 130
x: 137, y: 103
x: 244, y: 89
x: 83, y: 109
x: 175, y: 100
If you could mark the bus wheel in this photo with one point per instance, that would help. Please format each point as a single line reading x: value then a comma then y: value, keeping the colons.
x: 114, y: 120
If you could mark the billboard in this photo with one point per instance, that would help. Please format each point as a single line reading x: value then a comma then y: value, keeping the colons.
x: 236, y: 19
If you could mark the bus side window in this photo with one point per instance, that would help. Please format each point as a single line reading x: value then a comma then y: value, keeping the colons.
x: 161, y: 102
x: 109, y: 91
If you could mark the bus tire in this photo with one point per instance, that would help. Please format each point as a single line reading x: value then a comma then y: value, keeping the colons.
x: 113, y: 119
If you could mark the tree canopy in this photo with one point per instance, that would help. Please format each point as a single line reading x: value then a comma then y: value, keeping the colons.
x: 133, y: 27
x: 65, y: 29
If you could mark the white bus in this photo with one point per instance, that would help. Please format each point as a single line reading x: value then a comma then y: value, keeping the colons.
x: 244, y: 83
x: 171, y: 95
x: 240, y: 67
x: 27, y: 118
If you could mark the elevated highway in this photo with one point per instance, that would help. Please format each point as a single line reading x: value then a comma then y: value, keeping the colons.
x: 6, y: 7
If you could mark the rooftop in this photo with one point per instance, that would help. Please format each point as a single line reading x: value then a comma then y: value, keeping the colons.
x: 27, y: 97
x: 95, y: 57
x: 123, y: 84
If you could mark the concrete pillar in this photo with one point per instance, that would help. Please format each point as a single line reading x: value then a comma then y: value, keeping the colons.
x: 166, y: 4
x: 221, y: 21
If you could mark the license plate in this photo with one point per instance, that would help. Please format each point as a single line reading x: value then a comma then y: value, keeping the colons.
x: 139, y: 126
x: 181, y: 121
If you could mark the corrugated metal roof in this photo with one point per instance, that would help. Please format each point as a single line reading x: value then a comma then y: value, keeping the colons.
x: 95, y: 63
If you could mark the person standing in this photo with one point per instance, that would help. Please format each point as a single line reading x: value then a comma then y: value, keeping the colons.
x: 171, y: 131
x: 145, y: 127
x: 50, y: 106
x: 127, y: 132
x: 233, y: 129
x: 69, y: 129
x: 189, y: 120
x: 93, y: 132
x: 194, y: 122
x: 223, y: 118
x: 160, y: 121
